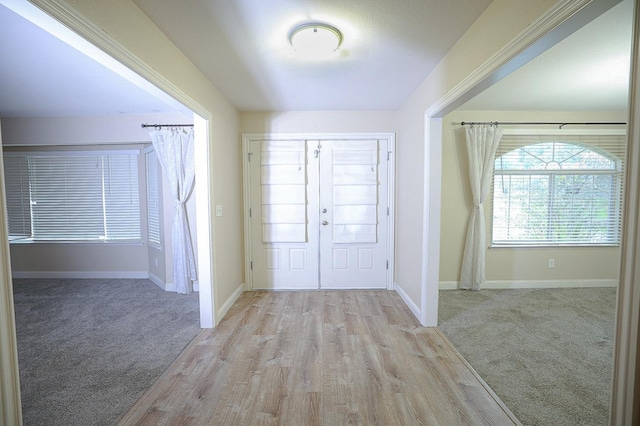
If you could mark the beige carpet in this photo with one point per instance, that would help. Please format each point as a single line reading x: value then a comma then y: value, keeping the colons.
x: 88, y: 349
x: 547, y: 353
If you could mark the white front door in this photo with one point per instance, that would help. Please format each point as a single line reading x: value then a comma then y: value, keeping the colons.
x: 318, y: 213
x: 283, y: 215
x: 353, y: 214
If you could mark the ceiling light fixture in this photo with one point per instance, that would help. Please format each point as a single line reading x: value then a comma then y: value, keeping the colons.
x: 315, y: 39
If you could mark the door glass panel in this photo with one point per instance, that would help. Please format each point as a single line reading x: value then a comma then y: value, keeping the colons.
x: 284, y: 194
x: 355, y: 174
x: 354, y: 214
x: 355, y: 194
x: 354, y: 233
x: 283, y: 186
x: 355, y: 189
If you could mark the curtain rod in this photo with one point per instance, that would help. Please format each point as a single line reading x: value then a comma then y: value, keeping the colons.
x: 537, y: 123
x: 144, y: 126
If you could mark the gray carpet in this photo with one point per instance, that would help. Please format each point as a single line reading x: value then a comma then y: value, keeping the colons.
x: 88, y: 349
x: 547, y: 353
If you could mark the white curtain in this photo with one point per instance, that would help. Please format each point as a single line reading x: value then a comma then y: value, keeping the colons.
x: 482, y: 143
x: 174, y: 148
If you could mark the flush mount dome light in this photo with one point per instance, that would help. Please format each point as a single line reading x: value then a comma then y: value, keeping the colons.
x: 315, y: 39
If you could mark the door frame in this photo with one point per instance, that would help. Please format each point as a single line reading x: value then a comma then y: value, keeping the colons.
x: 247, y: 138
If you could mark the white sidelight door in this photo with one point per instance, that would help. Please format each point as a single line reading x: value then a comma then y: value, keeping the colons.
x: 318, y: 213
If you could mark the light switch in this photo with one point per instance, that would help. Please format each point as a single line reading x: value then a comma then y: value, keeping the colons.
x: 218, y: 209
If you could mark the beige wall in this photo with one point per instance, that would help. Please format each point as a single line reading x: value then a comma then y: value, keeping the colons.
x: 109, y: 129
x: 510, y: 264
x: 501, y: 23
x: 319, y: 122
x: 125, y: 23
x: 79, y: 260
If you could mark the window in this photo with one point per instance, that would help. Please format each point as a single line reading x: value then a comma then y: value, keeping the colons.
x: 153, y: 199
x: 73, y: 195
x: 558, y: 192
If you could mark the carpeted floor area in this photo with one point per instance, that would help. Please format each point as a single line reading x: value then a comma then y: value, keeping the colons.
x: 88, y: 349
x: 547, y: 353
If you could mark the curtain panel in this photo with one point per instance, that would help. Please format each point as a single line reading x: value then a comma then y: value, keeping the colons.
x: 482, y: 144
x: 174, y: 148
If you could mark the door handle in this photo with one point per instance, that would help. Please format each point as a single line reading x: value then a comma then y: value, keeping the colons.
x: 325, y: 223
x: 324, y: 210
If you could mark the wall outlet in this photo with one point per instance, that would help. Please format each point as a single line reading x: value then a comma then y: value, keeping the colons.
x: 219, y: 210
x: 552, y: 263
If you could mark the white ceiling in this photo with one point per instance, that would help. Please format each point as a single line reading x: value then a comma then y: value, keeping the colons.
x: 388, y: 48
x: 242, y: 46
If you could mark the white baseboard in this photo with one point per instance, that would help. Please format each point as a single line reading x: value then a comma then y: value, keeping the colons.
x: 230, y: 301
x: 137, y: 275
x: 157, y: 281
x: 522, y: 284
x: 81, y: 274
x: 407, y: 300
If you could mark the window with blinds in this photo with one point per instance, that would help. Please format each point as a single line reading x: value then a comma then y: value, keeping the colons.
x: 558, y: 190
x: 73, y: 196
x: 153, y: 199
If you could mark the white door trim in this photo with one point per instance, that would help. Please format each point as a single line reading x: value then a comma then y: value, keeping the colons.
x: 247, y: 138
x: 625, y: 390
x: 10, y: 403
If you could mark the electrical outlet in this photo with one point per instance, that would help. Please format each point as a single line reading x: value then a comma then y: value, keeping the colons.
x: 552, y: 263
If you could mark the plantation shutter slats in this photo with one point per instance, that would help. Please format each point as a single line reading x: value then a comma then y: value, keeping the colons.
x: 80, y: 196
x: 558, y: 189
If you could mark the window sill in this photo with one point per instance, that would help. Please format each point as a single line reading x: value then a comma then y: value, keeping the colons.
x: 22, y: 241
x: 551, y: 246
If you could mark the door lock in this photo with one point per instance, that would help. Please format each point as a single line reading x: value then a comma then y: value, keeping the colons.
x: 324, y: 210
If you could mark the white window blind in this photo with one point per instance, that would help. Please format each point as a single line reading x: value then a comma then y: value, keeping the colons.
x: 153, y: 199
x: 73, y: 196
x: 558, y: 190
x: 16, y: 174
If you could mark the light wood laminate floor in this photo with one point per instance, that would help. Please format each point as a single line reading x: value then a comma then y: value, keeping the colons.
x: 319, y: 358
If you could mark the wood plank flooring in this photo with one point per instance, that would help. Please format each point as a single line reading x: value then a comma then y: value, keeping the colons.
x: 319, y: 358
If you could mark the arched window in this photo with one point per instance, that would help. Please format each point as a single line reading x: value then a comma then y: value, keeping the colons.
x: 557, y: 193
